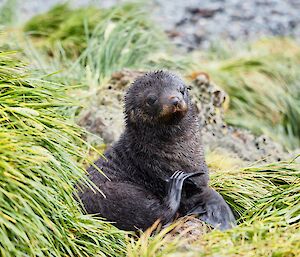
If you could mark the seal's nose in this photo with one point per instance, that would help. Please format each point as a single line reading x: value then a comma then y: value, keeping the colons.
x: 175, y: 101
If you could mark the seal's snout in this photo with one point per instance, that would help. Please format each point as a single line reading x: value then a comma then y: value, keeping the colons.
x: 177, y: 104
x: 174, y: 106
x: 175, y: 101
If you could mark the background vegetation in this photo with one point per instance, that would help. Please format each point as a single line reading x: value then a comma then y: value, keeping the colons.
x: 263, y: 83
x: 43, y: 154
x: 41, y: 151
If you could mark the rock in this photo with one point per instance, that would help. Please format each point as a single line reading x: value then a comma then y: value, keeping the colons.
x: 104, y: 117
x: 216, y: 20
x: 204, y: 12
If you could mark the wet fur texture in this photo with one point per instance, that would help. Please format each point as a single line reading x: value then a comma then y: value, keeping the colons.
x: 148, y: 152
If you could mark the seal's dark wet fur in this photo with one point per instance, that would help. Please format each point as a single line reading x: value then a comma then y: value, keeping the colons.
x: 158, y: 140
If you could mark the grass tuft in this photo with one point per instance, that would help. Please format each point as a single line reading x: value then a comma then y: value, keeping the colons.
x: 89, y: 44
x: 41, y: 150
x: 266, y: 198
x: 259, y: 193
x: 262, y: 82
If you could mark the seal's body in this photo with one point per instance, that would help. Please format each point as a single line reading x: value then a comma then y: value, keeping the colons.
x: 161, y: 137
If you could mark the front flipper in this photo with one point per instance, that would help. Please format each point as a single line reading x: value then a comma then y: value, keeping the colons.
x: 214, y: 210
x: 175, y: 183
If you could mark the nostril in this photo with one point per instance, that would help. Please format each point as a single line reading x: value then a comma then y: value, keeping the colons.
x: 175, y: 101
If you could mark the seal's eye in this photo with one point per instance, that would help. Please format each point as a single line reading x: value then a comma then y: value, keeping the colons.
x: 151, y: 99
x: 182, y: 90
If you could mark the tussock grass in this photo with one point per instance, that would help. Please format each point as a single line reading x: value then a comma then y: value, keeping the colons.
x: 263, y: 83
x: 266, y: 198
x: 44, y: 25
x: 155, y: 241
x: 41, y: 150
x: 120, y: 41
x: 259, y: 193
x: 74, y: 30
x: 101, y: 40
x: 256, y: 239
x: 65, y: 25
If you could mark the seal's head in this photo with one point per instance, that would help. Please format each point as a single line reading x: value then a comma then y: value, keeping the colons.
x: 157, y: 98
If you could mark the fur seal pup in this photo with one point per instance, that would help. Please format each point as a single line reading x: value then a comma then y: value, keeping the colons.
x: 156, y: 169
